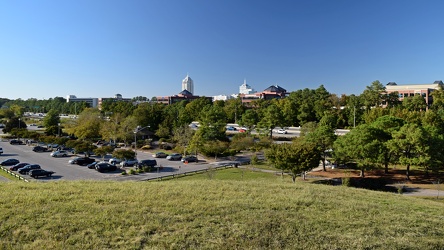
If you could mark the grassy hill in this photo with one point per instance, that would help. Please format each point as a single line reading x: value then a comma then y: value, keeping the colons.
x: 213, y: 214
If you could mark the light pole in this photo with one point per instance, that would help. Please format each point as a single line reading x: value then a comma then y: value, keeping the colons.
x: 59, y: 129
x: 19, y: 126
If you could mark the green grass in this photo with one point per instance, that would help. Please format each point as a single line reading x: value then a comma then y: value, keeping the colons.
x: 238, y: 174
x: 213, y: 214
x: 8, y: 176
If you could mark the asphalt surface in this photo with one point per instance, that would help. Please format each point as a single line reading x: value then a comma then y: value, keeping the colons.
x: 65, y: 171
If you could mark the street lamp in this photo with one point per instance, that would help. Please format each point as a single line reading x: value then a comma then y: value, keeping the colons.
x: 59, y: 129
x: 19, y: 126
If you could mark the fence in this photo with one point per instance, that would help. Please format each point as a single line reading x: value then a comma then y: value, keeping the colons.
x: 179, y: 175
x: 14, y: 174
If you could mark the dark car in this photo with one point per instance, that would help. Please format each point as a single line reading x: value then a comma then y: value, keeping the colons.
x: 27, y: 168
x: 9, y: 162
x: 189, y: 158
x: 39, y: 149
x: 15, y: 142
x: 105, y: 167
x: 82, y: 161
x: 17, y: 166
x: 35, y: 173
x: 174, y: 157
x: 92, y: 165
x: 146, y: 163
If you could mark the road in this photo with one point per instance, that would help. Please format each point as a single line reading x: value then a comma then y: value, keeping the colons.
x: 291, y: 131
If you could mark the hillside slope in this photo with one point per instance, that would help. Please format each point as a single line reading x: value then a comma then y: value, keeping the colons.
x: 211, y: 214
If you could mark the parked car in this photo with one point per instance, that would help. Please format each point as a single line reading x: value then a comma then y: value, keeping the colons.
x: 1, y: 151
x: 27, y: 168
x: 160, y: 155
x: 146, y: 163
x: 128, y: 162
x: 15, y: 142
x: 189, y: 158
x: 92, y: 165
x: 9, y: 162
x: 282, y: 131
x: 39, y: 149
x: 17, y: 166
x: 35, y: 173
x: 114, y: 161
x: 231, y: 128
x: 105, y: 167
x: 82, y: 161
x: 59, y: 153
x: 174, y: 157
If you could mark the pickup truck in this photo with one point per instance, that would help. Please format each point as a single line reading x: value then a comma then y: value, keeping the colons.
x: 35, y: 173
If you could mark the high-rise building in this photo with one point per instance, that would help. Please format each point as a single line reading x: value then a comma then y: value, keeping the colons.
x: 187, y: 84
x: 246, y: 89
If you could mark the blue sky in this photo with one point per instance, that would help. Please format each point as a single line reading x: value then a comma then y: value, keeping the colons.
x: 98, y: 48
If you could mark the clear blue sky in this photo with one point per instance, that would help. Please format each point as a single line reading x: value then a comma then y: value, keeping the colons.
x: 98, y: 48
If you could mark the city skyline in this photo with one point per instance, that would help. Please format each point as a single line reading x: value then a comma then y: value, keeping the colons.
x: 145, y: 48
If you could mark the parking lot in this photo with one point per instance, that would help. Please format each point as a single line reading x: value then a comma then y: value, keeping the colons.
x: 65, y: 171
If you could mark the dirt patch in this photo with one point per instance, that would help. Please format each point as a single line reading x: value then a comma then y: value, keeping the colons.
x: 394, y: 176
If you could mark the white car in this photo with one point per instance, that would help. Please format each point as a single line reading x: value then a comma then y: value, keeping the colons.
x: 282, y: 131
x: 59, y: 153
x: 114, y: 161
x: 129, y: 163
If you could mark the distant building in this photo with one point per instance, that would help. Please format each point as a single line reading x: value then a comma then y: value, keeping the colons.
x: 408, y: 90
x: 116, y: 98
x: 92, y: 102
x: 184, y: 95
x: 246, y: 89
x: 221, y: 98
x: 187, y: 84
x: 272, y: 92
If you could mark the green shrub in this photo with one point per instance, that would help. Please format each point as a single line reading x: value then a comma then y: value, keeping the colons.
x: 346, y: 181
x: 124, y: 173
x: 132, y: 171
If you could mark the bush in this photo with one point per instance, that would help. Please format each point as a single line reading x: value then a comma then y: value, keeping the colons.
x: 132, y: 171
x: 346, y: 181
x: 146, y: 147
x: 124, y: 173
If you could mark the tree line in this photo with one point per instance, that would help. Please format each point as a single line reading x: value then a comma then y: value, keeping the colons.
x: 378, y: 135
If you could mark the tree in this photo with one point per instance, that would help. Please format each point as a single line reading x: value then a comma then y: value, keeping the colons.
x: 387, y: 125
x: 323, y: 137
x: 272, y: 118
x: 241, y: 141
x: 124, y: 154
x: 414, y: 103
x: 411, y: 144
x: 13, y: 123
x: 233, y: 109
x: 81, y: 146
x: 88, y: 124
x: 297, y: 157
x: 373, y: 95
x: 51, y: 122
x: 361, y: 146
x: 103, y: 151
x: 249, y: 119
